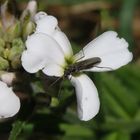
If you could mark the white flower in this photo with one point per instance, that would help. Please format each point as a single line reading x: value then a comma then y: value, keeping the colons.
x: 49, y: 50
x: 9, y: 102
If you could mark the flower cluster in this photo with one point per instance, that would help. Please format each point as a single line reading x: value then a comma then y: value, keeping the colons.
x: 48, y: 49
x: 12, y: 30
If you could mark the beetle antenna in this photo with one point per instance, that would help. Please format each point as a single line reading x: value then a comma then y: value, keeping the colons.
x: 59, y: 92
x: 70, y: 78
x: 52, y: 84
x: 60, y: 87
x: 104, y: 67
x: 83, y: 55
x: 55, y: 82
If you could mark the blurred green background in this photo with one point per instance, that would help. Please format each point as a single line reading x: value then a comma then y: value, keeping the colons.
x: 47, y: 117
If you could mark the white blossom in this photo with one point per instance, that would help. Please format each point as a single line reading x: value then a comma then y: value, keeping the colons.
x: 49, y: 50
x: 9, y: 102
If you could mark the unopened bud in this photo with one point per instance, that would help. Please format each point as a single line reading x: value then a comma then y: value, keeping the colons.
x: 14, y: 31
x: 16, y: 62
x: 32, y: 7
x: 28, y: 28
x: 2, y: 45
x: 15, y: 53
x: 6, y: 53
x: 30, y: 10
x: 4, y: 64
x: 7, y: 18
x: 8, y: 77
x: 54, y: 102
x: 16, y: 50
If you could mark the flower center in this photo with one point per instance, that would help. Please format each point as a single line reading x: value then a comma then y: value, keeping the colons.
x: 69, y: 61
x: 70, y: 67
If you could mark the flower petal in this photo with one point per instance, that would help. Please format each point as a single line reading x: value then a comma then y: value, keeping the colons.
x: 112, y: 50
x: 49, y: 25
x: 39, y: 16
x: 63, y: 41
x: 53, y: 70
x: 9, y: 102
x: 45, y: 23
x: 41, y: 50
x: 87, y: 97
x: 32, y: 62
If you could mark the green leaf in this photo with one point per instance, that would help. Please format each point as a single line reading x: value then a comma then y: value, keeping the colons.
x: 16, y: 130
x: 130, y: 75
x: 69, y: 2
x: 76, y: 130
x: 112, y: 106
x: 126, y: 18
x: 122, y: 101
x: 117, y: 136
x: 117, y: 124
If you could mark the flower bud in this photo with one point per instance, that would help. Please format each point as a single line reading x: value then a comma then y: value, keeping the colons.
x: 54, y: 102
x: 6, y: 53
x: 28, y: 28
x: 4, y: 64
x: 15, y: 52
x: 16, y: 62
x: 30, y: 10
x: 8, y: 77
x: 7, y: 17
x: 0, y: 26
x: 13, y: 31
x: 2, y: 45
x: 32, y: 7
